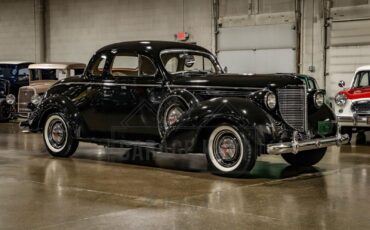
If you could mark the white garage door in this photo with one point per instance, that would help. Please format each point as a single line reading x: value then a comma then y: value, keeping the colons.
x: 258, y: 49
x: 349, y: 49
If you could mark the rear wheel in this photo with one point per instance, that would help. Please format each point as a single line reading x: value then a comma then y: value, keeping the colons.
x: 229, y: 152
x: 305, y: 158
x: 58, y: 136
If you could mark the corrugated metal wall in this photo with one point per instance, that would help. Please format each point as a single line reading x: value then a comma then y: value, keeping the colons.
x: 258, y: 36
x: 349, y: 45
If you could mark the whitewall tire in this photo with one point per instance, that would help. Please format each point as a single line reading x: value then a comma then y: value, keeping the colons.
x: 58, y: 136
x: 229, y: 152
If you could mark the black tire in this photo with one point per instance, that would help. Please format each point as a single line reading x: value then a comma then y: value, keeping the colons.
x: 5, y: 113
x: 361, y: 138
x: 164, y: 110
x: 58, y: 136
x: 347, y: 130
x: 305, y: 158
x: 242, y: 159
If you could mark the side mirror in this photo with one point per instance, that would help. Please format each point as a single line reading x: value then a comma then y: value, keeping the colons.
x: 342, y: 84
x: 226, y: 69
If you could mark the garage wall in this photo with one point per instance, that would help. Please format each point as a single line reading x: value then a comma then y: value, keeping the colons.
x: 17, y: 30
x: 348, y: 43
x: 258, y: 36
x: 76, y: 29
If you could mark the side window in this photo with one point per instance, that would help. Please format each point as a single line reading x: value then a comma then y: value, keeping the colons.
x: 147, y: 67
x: 98, y: 66
x: 125, y: 64
x: 23, y: 74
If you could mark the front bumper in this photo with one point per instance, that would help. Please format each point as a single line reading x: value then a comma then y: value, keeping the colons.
x: 296, y: 146
x: 353, y: 121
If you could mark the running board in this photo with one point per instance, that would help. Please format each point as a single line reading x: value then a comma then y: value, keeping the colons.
x: 122, y: 143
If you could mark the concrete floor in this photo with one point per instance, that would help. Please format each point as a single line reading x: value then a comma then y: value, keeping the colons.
x: 96, y: 190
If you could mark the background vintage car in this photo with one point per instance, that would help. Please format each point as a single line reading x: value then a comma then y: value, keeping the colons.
x: 42, y: 76
x: 13, y: 75
x: 352, y: 105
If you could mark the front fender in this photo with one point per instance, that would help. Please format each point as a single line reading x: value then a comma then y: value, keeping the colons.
x: 190, y: 132
x: 55, y: 104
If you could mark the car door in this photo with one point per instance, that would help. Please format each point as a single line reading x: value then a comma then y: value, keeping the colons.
x: 134, y: 94
x: 92, y: 102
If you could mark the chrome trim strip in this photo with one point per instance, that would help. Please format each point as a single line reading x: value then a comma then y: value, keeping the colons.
x: 159, y: 85
x: 214, y: 87
x: 110, y: 84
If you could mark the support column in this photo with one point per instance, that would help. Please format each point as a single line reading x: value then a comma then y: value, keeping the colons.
x: 313, y: 39
x: 40, y: 33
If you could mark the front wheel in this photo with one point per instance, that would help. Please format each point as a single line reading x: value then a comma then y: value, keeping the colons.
x: 229, y: 152
x: 305, y: 158
x: 58, y: 136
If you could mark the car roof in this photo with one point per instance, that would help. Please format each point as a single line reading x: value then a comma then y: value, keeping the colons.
x: 58, y: 65
x: 362, y: 68
x: 151, y: 47
x: 14, y: 62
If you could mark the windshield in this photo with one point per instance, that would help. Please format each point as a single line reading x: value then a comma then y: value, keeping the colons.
x: 7, y: 71
x: 48, y: 74
x: 187, y: 61
x: 362, y: 79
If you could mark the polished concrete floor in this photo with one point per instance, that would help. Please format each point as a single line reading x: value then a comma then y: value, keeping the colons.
x: 98, y: 189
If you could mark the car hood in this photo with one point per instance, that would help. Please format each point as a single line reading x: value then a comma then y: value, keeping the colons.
x: 237, y: 81
x: 357, y: 93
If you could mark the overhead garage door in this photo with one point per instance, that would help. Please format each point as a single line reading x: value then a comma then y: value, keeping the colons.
x: 258, y: 49
x: 349, y: 49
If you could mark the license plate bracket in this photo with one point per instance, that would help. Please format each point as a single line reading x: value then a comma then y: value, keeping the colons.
x: 325, y: 127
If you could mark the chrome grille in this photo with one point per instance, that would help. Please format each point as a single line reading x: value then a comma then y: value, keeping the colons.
x: 292, y: 106
x: 361, y: 107
x: 24, y: 98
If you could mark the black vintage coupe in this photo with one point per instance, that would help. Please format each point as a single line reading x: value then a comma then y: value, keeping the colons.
x: 175, y: 98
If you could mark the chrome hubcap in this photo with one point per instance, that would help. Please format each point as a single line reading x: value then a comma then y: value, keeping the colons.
x: 226, y: 149
x: 57, y: 133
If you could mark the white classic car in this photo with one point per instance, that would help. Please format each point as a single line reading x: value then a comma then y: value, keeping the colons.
x: 353, y: 104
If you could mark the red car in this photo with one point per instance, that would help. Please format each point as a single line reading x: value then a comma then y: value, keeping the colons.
x: 353, y: 104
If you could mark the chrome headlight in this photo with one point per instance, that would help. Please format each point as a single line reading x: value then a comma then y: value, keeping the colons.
x: 36, y: 99
x: 270, y: 100
x: 319, y: 99
x: 10, y: 99
x: 341, y: 99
